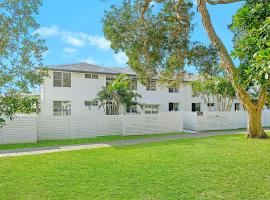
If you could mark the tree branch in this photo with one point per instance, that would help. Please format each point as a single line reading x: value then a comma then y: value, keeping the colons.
x: 213, y: 2
x: 228, y: 66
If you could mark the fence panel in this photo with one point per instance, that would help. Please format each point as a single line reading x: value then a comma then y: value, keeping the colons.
x: 53, y: 128
x: 20, y: 130
x: 152, y: 124
x: 30, y: 129
x: 109, y: 125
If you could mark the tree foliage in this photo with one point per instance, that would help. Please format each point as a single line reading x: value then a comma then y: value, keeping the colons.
x: 21, y: 52
x: 215, y: 89
x: 251, y: 27
x: 118, y: 93
x: 155, y: 42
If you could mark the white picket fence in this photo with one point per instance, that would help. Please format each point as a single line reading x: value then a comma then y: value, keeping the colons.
x: 32, y: 129
x: 220, y: 120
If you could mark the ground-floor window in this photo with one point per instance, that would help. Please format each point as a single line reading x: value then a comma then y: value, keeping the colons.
x: 90, y: 104
x: 210, y: 104
x: 196, y: 107
x: 151, y: 109
x: 61, y: 108
x: 131, y: 109
x: 111, y: 109
x: 237, y: 106
x: 173, y: 106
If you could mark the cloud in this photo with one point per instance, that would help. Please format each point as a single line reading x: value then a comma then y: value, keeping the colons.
x: 98, y: 41
x: 76, y: 39
x: 73, y: 39
x: 48, y: 31
x: 89, y: 60
x: 120, y: 58
x: 68, y: 50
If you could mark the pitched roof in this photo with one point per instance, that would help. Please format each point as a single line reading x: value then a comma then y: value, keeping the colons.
x: 91, y: 68
x: 86, y: 67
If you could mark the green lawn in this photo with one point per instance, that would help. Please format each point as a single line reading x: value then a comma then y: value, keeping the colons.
x: 219, y: 167
x: 49, y: 143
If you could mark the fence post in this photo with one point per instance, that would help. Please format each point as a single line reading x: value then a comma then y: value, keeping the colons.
x: 1, y: 135
x: 36, y: 122
x: 69, y: 129
x: 123, y: 126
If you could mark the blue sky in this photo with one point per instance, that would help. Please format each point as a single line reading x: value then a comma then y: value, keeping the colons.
x: 73, y: 31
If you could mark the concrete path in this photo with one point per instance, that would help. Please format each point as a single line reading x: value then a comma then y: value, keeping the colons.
x: 43, y: 150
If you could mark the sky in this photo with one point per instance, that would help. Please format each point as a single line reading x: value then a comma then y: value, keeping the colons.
x: 73, y: 33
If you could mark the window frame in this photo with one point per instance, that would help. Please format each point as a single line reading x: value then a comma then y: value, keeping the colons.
x: 152, y: 109
x: 134, y: 84
x: 91, y: 76
x: 64, y: 76
x: 197, y: 105
x: 173, y: 90
x: 64, y: 108
x: 174, y: 107
x: 151, y: 85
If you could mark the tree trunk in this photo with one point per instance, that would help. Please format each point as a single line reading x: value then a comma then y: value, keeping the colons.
x: 255, y: 129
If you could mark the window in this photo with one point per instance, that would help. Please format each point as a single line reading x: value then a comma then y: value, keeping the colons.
x: 133, y: 84
x: 173, y: 90
x: 237, y: 106
x: 88, y: 103
x: 61, y: 79
x: 173, y: 106
x: 91, y: 103
x: 66, y: 79
x: 152, y: 84
x: 57, y: 79
x: 210, y: 104
x: 196, y: 107
x: 61, y: 108
x: 109, y: 79
x: 111, y: 109
x: 132, y: 109
x: 91, y: 76
x: 151, y: 109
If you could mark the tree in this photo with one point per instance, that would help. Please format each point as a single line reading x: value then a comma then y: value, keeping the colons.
x: 251, y: 27
x: 158, y: 42
x: 118, y: 93
x: 20, y: 56
x: 215, y: 89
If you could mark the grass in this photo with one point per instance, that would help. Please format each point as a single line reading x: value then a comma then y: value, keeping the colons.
x: 218, y: 167
x: 49, y: 143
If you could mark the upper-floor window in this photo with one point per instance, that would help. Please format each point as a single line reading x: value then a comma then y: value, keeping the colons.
x: 173, y: 90
x: 61, y: 108
x: 109, y: 79
x: 237, y: 106
x: 152, y: 85
x: 133, y: 84
x: 61, y: 79
x: 91, y: 76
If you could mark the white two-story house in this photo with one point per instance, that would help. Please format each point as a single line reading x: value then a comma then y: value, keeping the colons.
x: 71, y: 90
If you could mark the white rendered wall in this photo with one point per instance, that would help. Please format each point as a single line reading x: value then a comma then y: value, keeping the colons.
x: 83, y: 89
